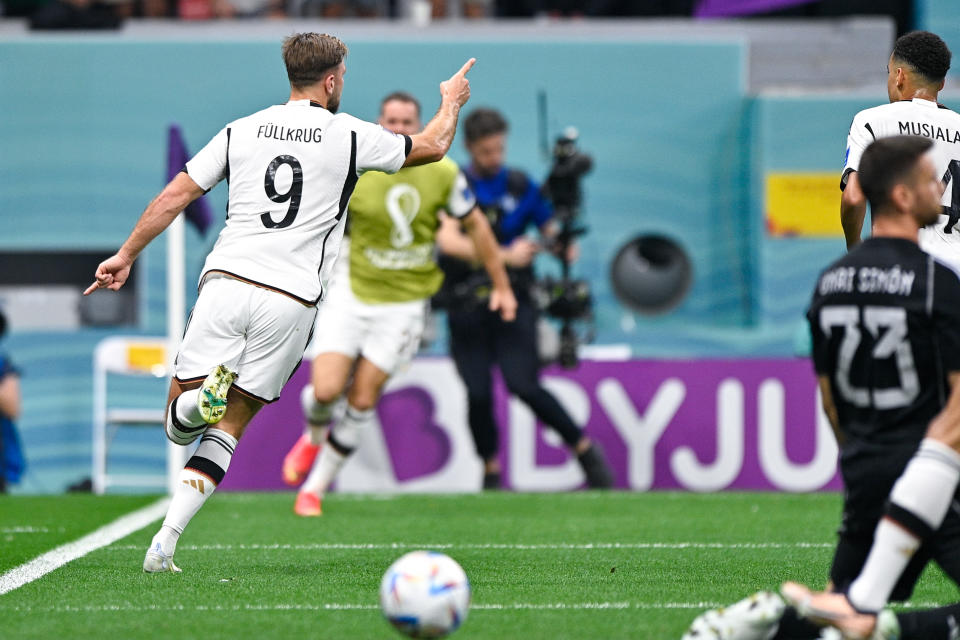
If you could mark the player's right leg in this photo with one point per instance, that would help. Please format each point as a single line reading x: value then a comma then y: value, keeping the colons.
x: 263, y: 334
x: 329, y: 373
x: 918, y: 505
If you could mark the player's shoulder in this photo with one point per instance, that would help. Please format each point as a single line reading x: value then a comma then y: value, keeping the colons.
x: 946, y: 274
x: 947, y: 113
x: 343, y: 120
x: 888, y: 110
x: 256, y: 116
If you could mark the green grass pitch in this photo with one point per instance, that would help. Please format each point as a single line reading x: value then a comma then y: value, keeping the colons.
x: 577, y: 565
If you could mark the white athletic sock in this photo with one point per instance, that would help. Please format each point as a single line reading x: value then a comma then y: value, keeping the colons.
x: 318, y: 415
x: 324, y: 471
x: 188, y: 411
x: 341, y: 442
x: 184, y: 423
x: 201, y: 475
x: 918, y: 504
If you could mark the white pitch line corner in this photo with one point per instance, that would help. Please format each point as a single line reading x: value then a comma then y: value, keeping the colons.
x: 102, y: 537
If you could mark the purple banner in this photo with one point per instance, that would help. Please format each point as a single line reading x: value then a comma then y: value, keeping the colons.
x: 702, y: 425
x: 727, y: 8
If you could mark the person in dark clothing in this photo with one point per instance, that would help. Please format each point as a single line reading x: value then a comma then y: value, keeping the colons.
x: 478, y: 339
x: 885, y: 327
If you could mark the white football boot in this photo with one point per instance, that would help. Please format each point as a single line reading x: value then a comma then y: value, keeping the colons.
x: 156, y: 561
x: 753, y: 618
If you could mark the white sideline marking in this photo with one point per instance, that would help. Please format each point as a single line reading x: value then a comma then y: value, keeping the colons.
x: 334, y: 606
x: 598, y: 546
x: 105, y: 535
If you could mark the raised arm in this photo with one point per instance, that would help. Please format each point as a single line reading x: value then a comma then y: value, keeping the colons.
x: 431, y: 144
x: 113, y: 272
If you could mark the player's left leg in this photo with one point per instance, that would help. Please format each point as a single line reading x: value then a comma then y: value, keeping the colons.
x: 329, y: 373
x: 515, y: 347
x: 344, y: 436
x: 199, y: 478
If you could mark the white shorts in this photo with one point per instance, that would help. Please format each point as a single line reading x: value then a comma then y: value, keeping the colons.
x: 259, y: 333
x: 945, y: 247
x: 388, y: 335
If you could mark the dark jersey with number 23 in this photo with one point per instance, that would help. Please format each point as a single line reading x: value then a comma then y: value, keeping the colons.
x: 885, y: 323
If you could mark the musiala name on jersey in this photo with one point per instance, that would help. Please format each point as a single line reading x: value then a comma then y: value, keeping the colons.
x: 927, y: 130
x: 895, y: 281
x: 284, y: 134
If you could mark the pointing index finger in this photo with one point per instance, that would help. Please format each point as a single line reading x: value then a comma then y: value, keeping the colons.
x: 92, y: 288
x: 466, y: 67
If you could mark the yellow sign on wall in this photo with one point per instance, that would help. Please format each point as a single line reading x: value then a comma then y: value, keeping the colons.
x: 803, y: 204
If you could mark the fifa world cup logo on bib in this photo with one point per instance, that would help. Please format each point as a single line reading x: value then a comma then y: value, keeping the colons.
x: 403, y: 204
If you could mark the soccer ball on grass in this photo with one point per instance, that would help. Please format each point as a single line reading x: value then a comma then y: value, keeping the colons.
x: 425, y: 594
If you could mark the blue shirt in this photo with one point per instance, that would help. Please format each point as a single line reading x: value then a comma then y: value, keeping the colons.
x: 511, y: 202
x: 12, y: 462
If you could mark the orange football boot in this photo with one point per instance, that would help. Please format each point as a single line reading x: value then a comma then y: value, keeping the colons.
x: 299, y: 460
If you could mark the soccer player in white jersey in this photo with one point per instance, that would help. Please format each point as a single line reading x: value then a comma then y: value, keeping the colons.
x: 915, y: 75
x: 291, y: 169
x: 371, y: 323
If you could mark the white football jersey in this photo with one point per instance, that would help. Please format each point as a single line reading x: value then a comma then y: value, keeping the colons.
x: 919, y: 118
x: 291, y: 169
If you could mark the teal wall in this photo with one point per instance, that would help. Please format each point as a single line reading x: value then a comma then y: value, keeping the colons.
x: 807, y: 133
x: 943, y: 18
x: 83, y: 136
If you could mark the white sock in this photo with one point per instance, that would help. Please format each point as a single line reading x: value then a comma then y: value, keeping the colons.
x: 184, y: 423
x: 188, y: 411
x: 318, y: 415
x: 324, y: 471
x: 203, y: 472
x: 341, y: 442
x: 918, y: 504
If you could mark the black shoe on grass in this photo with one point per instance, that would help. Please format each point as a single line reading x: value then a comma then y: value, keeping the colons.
x: 594, y: 464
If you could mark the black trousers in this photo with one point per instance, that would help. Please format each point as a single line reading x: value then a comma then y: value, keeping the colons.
x: 869, y: 473
x: 479, y: 339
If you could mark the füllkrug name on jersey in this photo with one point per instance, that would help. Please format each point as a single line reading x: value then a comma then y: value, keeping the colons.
x: 291, y: 169
x: 894, y: 281
x: 927, y: 130
x: 279, y: 132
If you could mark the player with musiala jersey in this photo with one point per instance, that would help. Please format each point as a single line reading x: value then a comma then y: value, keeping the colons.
x: 915, y: 76
x: 371, y: 323
x: 885, y: 323
x: 291, y: 169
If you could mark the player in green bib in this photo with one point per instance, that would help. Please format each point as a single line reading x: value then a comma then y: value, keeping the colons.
x: 393, y: 223
x: 371, y: 320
